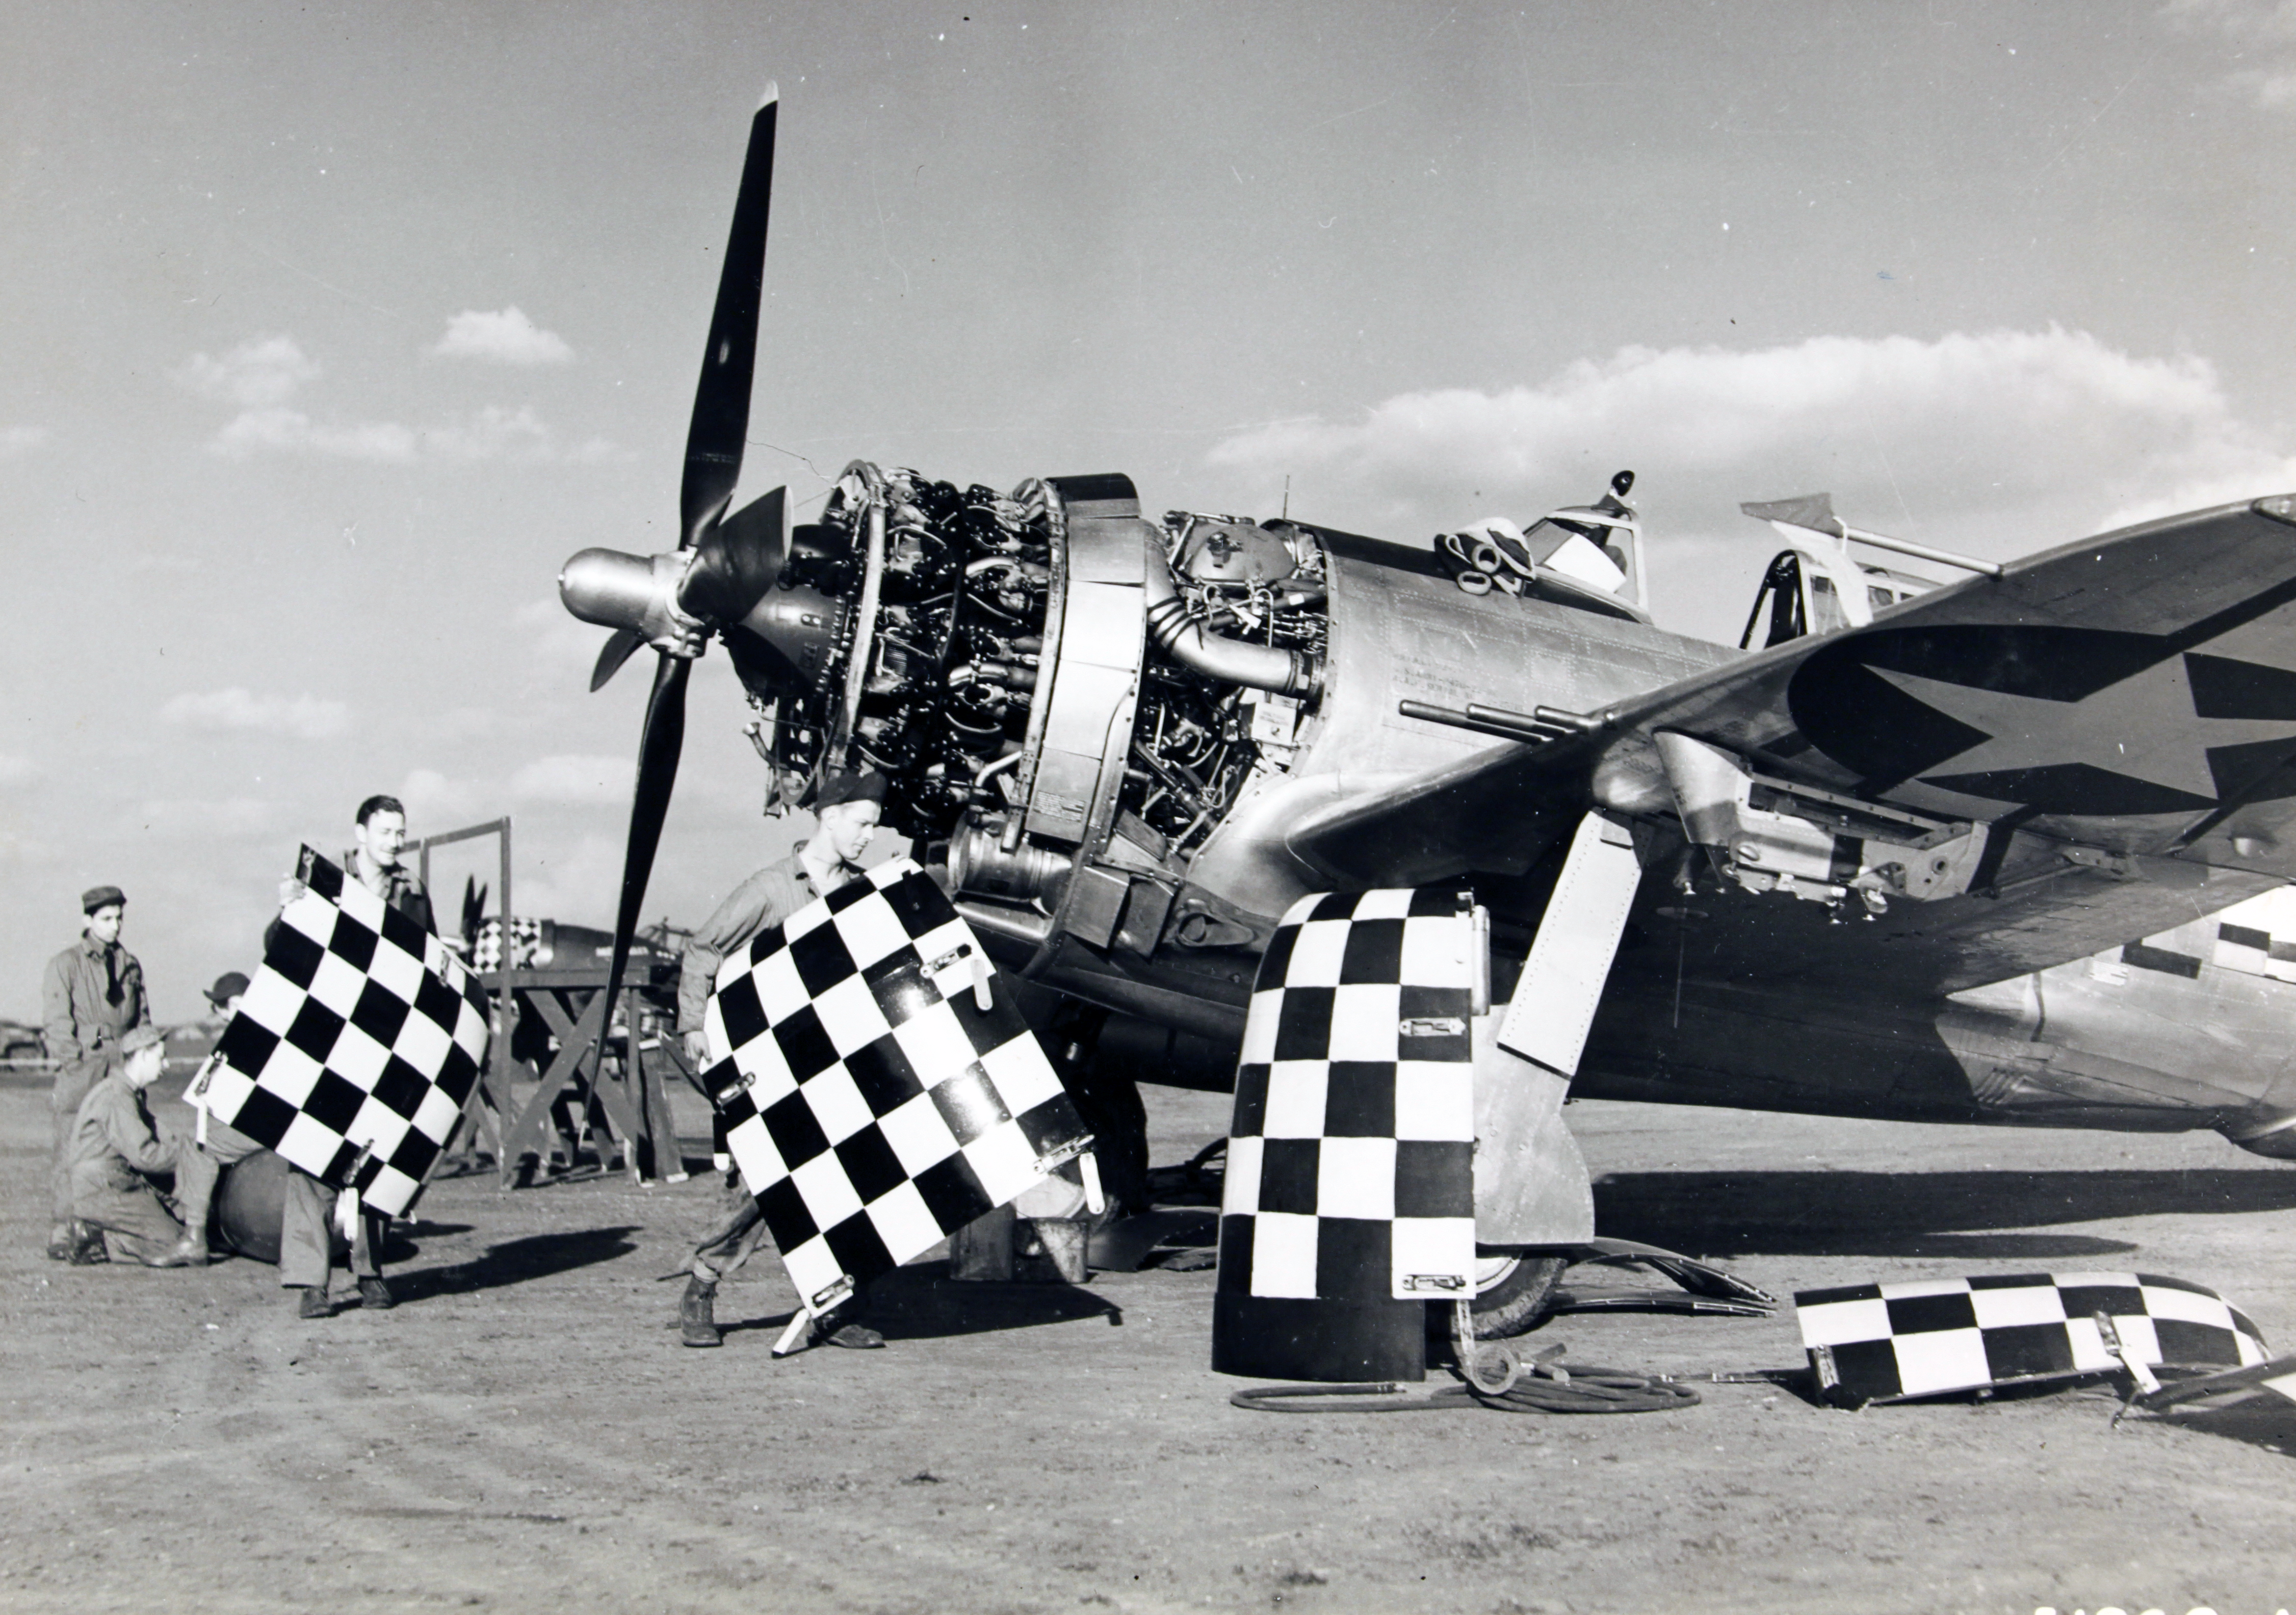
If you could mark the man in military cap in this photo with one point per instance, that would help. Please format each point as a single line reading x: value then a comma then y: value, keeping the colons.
x: 305, y: 1245
x: 848, y: 806
x: 91, y: 997
x: 223, y: 1144
x: 223, y: 998
x: 117, y: 1150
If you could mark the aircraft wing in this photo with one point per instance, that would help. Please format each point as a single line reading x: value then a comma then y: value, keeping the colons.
x: 2117, y: 718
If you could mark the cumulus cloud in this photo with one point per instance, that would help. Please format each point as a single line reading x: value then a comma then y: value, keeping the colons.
x: 299, y: 717
x: 291, y: 431
x: 2265, y: 31
x: 506, y: 336
x: 494, y: 433
x: 435, y: 802
x: 569, y: 778
x: 259, y: 375
x: 16, y: 440
x: 263, y: 377
x: 1983, y: 436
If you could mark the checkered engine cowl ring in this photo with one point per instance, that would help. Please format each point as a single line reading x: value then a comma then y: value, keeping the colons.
x: 356, y: 1044
x: 873, y: 1106
x: 1923, y: 1338
x: 1349, y: 1195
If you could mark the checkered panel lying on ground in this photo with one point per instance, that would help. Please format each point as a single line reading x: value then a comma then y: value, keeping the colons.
x: 1880, y: 1342
x: 873, y: 1106
x: 1351, y: 1162
x: 354, y: 1046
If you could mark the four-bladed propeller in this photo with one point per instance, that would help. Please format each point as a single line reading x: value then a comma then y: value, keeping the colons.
x: 722, y: 567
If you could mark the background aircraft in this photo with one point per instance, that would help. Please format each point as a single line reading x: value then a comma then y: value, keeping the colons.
x: 1952, y: 855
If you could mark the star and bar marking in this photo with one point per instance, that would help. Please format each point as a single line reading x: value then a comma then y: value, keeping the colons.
x: 2070, y: 721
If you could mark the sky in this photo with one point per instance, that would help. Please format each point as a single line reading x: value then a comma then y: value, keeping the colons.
x: 330, y: 330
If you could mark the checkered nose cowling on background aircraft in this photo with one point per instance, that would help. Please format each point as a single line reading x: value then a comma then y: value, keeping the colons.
x: 1987, y: 852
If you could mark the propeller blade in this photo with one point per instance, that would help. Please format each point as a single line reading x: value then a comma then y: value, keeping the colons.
x: 721, y: 399
x: 658, y: 745
x: 612, y: 654
x: 473, y: 908
x: 740, y: 559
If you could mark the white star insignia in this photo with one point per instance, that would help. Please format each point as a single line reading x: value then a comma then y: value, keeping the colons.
x: 2142, y: 727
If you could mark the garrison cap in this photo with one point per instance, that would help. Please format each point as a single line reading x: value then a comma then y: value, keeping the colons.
x: 839, y: 787
x: 227, y: 987
x: 142, y: 1037
x: 100, y: 896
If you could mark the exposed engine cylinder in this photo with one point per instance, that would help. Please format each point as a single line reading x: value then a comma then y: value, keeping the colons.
x: 1050, y: 681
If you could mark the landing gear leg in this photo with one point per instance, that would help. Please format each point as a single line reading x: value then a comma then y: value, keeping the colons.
x: 1108, y: 1099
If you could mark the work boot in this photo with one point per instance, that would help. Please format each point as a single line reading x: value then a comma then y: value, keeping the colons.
x: 314, y: 1303
x: 853, y: 1337
x: 375, y: 1296
x: 89, y: 1248
x: 188, y: 1251
x: 696, y: 1325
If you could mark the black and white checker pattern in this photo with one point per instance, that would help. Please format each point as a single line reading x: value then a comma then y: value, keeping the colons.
x: 354, y: 1046
x: 525, y: 945
x: 1880, y: 1342
x: 1351, y: 1162
x: 873, y: 1106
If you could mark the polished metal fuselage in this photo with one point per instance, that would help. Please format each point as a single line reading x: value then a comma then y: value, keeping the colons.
x: 2095, y: 1041
x: 1400, y: 634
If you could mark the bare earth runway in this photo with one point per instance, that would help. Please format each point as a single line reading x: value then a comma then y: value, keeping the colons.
x: 525, y: 1433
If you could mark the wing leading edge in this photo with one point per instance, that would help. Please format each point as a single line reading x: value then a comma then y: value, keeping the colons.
x: 2020, y: 770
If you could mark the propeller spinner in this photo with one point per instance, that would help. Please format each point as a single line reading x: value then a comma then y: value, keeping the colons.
x: 722, y: 568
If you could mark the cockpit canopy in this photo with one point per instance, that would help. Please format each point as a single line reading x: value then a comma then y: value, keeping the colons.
x: 1807, y: 592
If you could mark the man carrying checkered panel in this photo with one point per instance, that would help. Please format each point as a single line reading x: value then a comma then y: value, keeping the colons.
x: 877, y: 1094
x: 1350, y: 1196
x: 847, y: 807
x: 352, y: 1056
x: 1926, y: 1337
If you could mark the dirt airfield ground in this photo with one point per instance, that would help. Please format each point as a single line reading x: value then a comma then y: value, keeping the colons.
x: 524, y: 1432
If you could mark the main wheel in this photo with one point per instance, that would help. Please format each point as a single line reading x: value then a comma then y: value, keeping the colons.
x: 1513, y: 1290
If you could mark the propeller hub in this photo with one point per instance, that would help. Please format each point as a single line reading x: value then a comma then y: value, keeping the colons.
x: 619, y: 591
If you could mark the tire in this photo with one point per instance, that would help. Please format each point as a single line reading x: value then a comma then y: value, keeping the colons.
x: 1513, y: 1291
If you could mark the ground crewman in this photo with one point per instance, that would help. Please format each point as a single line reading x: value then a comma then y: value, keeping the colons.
x: 91, y: 997
x: 848, y: 807
x: 117, y: 1150
x: 305, y: 1243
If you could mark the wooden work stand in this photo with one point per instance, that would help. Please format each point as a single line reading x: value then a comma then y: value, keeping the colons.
x: 619, y: 1084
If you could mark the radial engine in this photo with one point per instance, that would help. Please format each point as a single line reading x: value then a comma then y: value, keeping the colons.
x: 1067, y: 698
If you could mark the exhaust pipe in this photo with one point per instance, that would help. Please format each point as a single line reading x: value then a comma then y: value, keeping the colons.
x: 1178, y: 634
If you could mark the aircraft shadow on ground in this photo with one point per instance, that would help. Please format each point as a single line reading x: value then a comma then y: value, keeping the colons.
x: 516, y: 1261
x: 2267, y: 1421
x: 922, y: 1303
x: 1978, y: 1216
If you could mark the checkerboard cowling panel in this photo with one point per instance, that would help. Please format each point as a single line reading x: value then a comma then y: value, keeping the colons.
x: 1883, y: 1342
x: 356, y: 1044
x: 873, y: 1107
x: 1350, y: 1163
